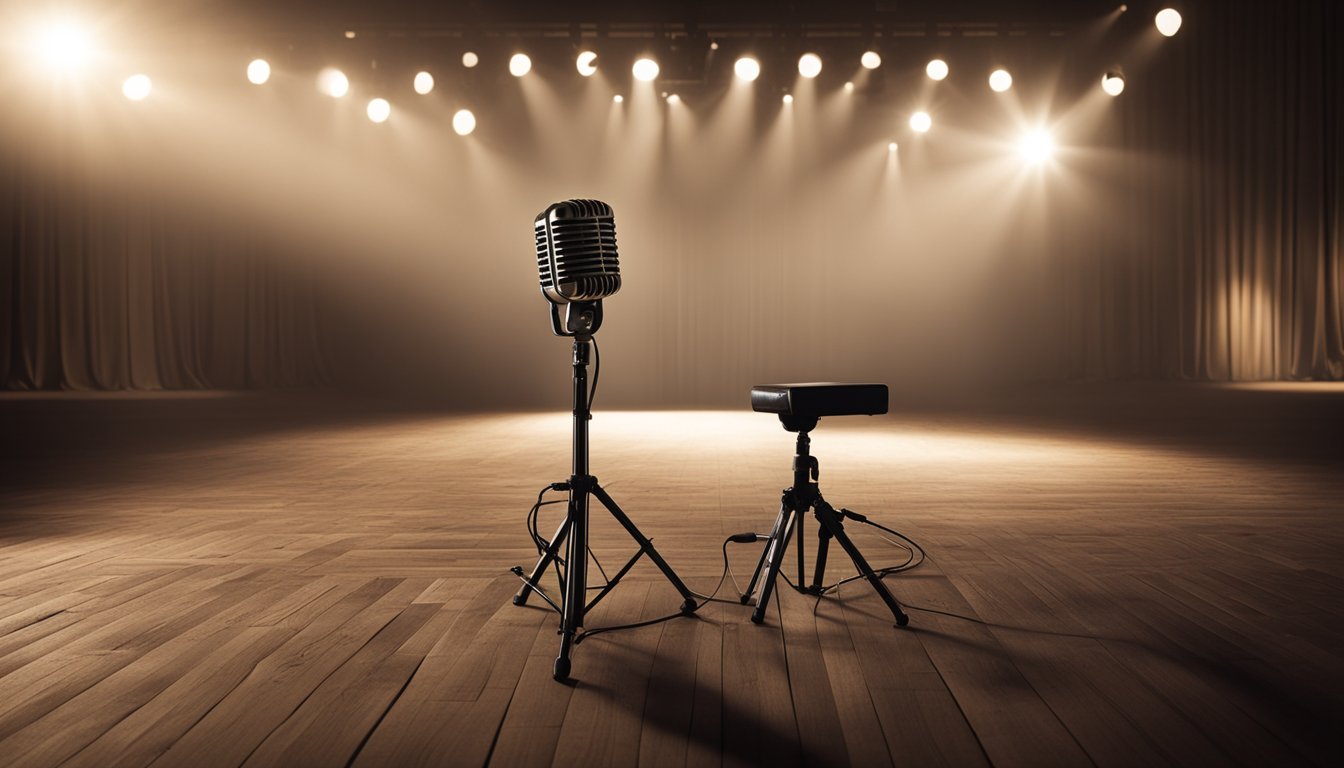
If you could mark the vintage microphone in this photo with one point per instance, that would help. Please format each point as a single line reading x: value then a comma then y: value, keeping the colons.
x: 577, y: 263
x: 578, y: 267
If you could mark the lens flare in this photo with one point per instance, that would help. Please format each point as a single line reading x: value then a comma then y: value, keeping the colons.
x: 379, y: 110
x: 1168, y: 21
x: 258, y: 71
x: 645, y: 69
x: 333, y: 82
x: 64, y: 45
x: 1037, y: 147
x: 137, y: 87
x: 809, y: 65
x: 1113, y: 83
x: 586, y: 63
x: 424, y: 83
x: 464, y: 122
x: 747, y: 68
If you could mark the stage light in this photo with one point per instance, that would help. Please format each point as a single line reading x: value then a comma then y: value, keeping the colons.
x: 849, y: 87
x: 747, y: 68
x: 520, y: 64
x: 1168, y: 21
x: 618, y: 98
x: 1036, y: 147
x: 64, y: 45
x: 137, y: 87
x: 585, y: 63
x: 788, y: 99
x: 936, y: 70
x: 1113, y: 83
x: 871, y: 60
x: 920, y: 122
x: 892, y: 147
x: 1000, y: 80
x: 673, y: 98
x: 379, y: 110
x: 470, y: 59
x: 258, y: 71
x: 809, y: 65
x: 714, y: 45
x: 333, y: 82
x: 349, y: 34
x: 424, y: 83
x: 645, y: 69
x: 464, y: 122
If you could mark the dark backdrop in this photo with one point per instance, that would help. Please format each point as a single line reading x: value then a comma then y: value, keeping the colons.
x: 1189, y: 230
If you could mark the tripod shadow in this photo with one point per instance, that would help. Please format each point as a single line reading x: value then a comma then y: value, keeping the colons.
x: 674, y: 703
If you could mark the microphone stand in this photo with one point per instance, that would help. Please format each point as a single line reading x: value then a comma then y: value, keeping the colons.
x: 574, y: 529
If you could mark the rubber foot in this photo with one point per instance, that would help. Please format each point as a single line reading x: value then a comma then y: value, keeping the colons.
x: 690, y: 606
x: 519, y: 600
x: 756, y: 619
x: 561, y: 672
x: 902, y: 620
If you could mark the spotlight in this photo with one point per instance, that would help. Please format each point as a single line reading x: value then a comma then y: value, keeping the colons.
x: 1037, y: 147
x: 1168, y: 21
x: 871, y: 60
x: 258, y: 71
x: 379, y: 110
x: 892, y: 147
x: 464, y: 122
x: 1113, y: 83
x: 349, y: 34
x: 920, y: 122
x: 333, y: 82
x: 1000, y: 80
x: 470, y: 59
x: 424, y: 83
x: 936, y: 70
x: 137, y: 87
x: 585, y: 63
x: 809, y: 65
x: 64, y: 45
x: 520, y: 64
x: 788, y: 98
x: 618, y: 98
x: 645, y: 69
x: 849, y: 87
x: 747, y: 68
x: 714, y: 45
x: 673, y: 98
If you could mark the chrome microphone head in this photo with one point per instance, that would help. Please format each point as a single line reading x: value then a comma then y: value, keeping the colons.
x: 576, y: 252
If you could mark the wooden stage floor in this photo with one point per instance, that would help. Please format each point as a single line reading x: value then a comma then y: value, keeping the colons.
x: 1145, y: 577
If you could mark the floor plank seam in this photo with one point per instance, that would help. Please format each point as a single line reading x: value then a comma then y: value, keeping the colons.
x: 354, y: 756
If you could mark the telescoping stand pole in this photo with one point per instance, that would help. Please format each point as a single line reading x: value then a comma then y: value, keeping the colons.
x: 573, y: 531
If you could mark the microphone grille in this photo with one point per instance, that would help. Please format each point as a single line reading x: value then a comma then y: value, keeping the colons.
x: 576, y: 251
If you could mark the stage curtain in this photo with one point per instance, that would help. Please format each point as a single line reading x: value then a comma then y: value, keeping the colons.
x: 1215, y: 251
x: 106, y: 290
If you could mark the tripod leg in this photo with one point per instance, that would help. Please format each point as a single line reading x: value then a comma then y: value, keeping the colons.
x: 547, y: 557
x: 576, y: 582
x: 646, y: 546
x: 829, y: 519
x: 769, y: 542
x: 823, y: 544
x: 775, y: 556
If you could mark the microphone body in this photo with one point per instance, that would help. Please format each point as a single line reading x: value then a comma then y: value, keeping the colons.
x: 576, y: 251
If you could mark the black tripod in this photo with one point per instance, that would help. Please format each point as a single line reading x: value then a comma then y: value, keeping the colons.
x: 573, y: 579
x: 804, y: 495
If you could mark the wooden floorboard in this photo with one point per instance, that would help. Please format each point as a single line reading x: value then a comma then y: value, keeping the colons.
x: 337, y: 593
